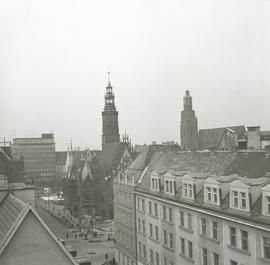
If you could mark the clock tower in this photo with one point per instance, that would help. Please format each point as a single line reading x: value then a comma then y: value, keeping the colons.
x: 110, y: 128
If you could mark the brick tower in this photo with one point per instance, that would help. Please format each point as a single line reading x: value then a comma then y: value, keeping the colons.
x: 110, y: 128
x: 189, y: 125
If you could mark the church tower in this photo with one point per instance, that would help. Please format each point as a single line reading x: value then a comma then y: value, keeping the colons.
x: 189, y: 125
x: 110, y: 129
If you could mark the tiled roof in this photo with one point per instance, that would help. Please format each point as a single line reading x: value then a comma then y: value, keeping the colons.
x: 10, y: 209
x: 210, y: 137
x: 249, y: 167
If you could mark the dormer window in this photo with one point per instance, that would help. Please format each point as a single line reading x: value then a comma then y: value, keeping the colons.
x: 169, y: 186
x: 266, y: 200
x: 211, y: 191
x: 155, y: 183
x: 187, y: 190
x: 239, y: 196
x: 188, y: 187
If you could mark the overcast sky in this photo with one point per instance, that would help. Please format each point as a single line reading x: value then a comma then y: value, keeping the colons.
x: 55, y: 54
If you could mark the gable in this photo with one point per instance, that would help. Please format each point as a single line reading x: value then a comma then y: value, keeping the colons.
x: 33, y: 244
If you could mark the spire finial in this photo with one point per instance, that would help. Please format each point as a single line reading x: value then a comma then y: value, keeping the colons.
x: 109, y: 78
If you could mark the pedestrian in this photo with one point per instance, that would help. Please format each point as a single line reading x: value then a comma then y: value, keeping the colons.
x: 67, y: 236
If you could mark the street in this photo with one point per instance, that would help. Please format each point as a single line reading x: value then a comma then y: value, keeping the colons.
x: 95, y: 251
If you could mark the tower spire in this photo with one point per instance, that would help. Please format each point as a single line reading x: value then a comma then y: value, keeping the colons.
x: 109, y: 79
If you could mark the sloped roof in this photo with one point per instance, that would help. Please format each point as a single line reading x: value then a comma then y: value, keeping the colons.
x: 210, y: 137
x: 250, y: 167
x: 12, y: 214
x: 10, y: 210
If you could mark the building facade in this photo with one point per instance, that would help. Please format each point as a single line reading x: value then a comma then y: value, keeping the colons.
x: 198, y: 208
x: 39, y: 158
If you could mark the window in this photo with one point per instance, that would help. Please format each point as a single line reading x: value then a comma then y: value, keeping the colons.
x: 156, y: 209
x: 214, y: 230
x: 189, y: 220
x: 232, y: 236
x: 233, y: 262
x: 189, y: 190
x: 143, y: 226
x: 165, y: 261
x: 215, y: 195
x: 138, y: 203
x: 165, y: 240
x: 170, y: 215
x: 150, y: 207
x: 166, y: 186
x: 183, y: 250
x: 204, y: 256
x: 190, y: 250
x: 140, y: 248
x: 235, y: 198
x: 151, y: 255
x: 156, y: 232
x: 185, y: 190
x: 151, y: 230
x: 143, y: 205
x: 244, y: 239
x: 243, y: 200
x: 155, y: 183
x: 182, y: 221
x: 203, y: 226
x: 157, y: 258
x: 266, y: 247
x: 164, y: 213
x: 144, y: 251
x: 208, y: 190
x: 139, y: 224
x: 268, y: 204
x: 216, y: 258
x: 171, y: 239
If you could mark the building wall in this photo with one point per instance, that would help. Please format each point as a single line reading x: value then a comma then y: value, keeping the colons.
x: 125, y: 247
x: 220, y: 246
x: 253, y: 138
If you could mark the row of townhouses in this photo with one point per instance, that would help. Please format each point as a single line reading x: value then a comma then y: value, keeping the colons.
x: 205, y: 208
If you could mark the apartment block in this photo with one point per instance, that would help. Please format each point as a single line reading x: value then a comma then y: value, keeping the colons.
x: 205, y: 208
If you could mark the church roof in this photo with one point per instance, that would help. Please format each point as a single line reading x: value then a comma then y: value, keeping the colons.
x: 211, y: 137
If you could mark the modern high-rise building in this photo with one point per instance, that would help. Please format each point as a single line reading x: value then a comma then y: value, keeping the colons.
x: 39, y: 158
x: 189, y: 125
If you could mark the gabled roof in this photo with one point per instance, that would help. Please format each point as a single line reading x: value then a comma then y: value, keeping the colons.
x: 211, y: 137
x: 13, y: 212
